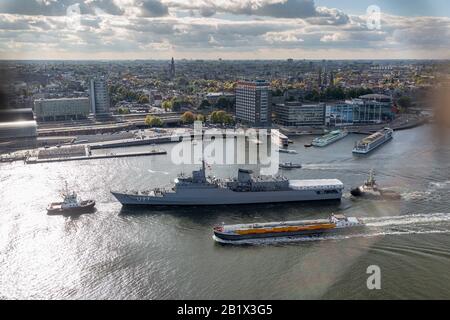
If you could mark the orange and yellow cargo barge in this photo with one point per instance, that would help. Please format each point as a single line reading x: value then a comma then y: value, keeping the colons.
x: 286, y: 229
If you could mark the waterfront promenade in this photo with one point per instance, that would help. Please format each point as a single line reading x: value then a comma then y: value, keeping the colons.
x: 34, y: 160
x: 402, y: 122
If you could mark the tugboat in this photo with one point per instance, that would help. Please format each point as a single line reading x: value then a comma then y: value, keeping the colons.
x: 71, y: 204
x: 290, y: 151
x: 371, y: 189
x: 290, y: 165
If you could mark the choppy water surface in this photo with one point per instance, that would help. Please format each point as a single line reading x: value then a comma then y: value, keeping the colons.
x: 160, y: 253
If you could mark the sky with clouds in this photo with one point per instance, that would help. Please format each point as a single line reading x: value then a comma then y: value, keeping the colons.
x: 228, y: 29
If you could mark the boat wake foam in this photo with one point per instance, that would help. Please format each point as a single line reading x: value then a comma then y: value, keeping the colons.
x: 440, y: 185
x: 435, y: 191
x: 412, y: 219
x: 163, y: 172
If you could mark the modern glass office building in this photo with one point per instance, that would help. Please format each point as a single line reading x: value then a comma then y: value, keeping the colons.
x: 371, y: 108
x: 294, y: 114
x: 61, y: 109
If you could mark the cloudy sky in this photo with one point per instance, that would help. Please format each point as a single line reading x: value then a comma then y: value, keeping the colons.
x: 228, y: 29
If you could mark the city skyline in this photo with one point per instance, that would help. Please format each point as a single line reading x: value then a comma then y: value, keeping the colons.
x: 207, y: 29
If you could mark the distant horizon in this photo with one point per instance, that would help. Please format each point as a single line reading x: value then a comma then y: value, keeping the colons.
x: 110, y: 30
x: 220, y: 59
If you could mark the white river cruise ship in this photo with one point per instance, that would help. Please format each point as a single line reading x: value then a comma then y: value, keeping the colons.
x: 373, y: 141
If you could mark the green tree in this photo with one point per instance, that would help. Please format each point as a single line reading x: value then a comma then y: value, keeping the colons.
x: 222, y: 103
x: 153, y: 121
x: 228, y: 119
x: 277, y: 92
x: 123, y: 110
x: 357, y: 92
x: 214, y: 117
x: 221, y: 117
x: 290, y: 99
x: 204, y: 104
x: 404, y: 103
x: 188, y: 117
x: 143, y: 99
x: 313, y: 95
x: 177, y: 103
x: 182, y: 81
x: 167, y: 105
x: 201, y: 118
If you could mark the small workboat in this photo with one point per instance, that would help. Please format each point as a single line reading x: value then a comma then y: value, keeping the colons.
x: 290, y: 151
x: 370, y: 189
x: 71, y: 204
x: 290, y: 165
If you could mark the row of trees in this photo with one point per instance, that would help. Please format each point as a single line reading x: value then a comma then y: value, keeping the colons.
x: 217, y: 117
x: 123, y: 110
x: 336, y: 93
x: 153, y: 121
x: 176, y: 103
x: 404, y: 103
x: 121, y: 93
x: 222, y: 103
x: 221, y: 117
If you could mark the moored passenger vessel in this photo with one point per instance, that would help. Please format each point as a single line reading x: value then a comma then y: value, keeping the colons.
x: 329, y: 138
x: 373, y: 141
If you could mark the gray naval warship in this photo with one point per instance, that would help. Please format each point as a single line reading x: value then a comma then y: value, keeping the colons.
x: 199, y: 190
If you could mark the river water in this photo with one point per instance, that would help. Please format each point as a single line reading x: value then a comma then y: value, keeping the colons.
x: 124, y: 253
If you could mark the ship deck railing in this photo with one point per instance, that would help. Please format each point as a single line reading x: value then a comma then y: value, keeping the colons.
x: 157, y: 192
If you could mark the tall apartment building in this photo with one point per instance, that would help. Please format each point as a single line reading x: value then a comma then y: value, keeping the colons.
x: 99, y: 96
x: 61, y: 109
x: 297, y: 114
x: 253, y: 102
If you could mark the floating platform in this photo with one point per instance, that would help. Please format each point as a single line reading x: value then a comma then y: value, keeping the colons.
x: 33, y: 160
x: 132, y: 142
